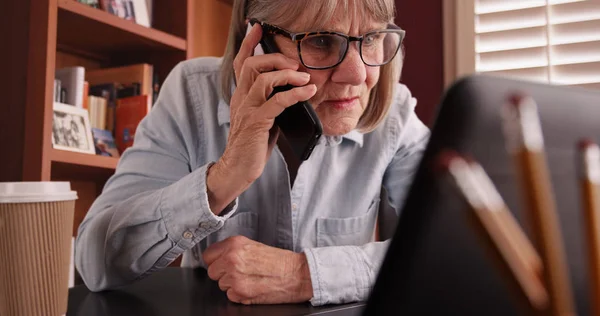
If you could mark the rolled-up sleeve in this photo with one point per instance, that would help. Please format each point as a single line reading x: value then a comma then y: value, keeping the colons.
x: 155, y: 207
x: 342, y: 274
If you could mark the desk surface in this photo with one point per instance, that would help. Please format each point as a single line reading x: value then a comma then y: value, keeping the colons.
x: 182, y: 292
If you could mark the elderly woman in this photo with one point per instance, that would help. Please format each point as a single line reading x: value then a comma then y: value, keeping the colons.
x: 208, y: 177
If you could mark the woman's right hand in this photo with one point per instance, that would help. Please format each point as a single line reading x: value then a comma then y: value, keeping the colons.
x: 252, y: 134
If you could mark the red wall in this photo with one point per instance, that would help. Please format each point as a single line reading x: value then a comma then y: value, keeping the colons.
x: 423, y: 71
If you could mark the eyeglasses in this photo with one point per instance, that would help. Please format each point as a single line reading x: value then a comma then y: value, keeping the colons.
x: 324, y: 50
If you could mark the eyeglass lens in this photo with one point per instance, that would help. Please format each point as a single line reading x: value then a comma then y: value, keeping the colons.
x: 327, y: 50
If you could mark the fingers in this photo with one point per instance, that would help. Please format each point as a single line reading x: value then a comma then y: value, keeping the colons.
x: 282, y: 100
x: 251, y: 68
x: 265, y: 83
x: 213, y: 252
x: 216, y: 270
x: 247, y: 48
x: 233, y: 296
x: 225, y: 283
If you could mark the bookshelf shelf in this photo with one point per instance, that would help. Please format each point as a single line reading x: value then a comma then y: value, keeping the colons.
x: 86, y: 160
x: 88, y: 29
x: 46, y: 35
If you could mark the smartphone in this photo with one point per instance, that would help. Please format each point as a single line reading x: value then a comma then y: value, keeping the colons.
x: 299, y: 123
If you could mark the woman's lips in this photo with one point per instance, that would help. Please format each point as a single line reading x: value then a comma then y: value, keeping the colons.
x: 342, y: 104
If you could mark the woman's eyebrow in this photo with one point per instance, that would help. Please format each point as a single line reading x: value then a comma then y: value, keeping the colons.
x: 373, y: 27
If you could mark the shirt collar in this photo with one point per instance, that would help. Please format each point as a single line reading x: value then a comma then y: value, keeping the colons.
x: 354, y: 135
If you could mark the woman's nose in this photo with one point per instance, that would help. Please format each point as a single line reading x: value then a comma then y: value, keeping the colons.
x: 352, y: 69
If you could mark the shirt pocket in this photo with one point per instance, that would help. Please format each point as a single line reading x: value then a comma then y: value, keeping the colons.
x: 240, y: 224
x: 356, y: 231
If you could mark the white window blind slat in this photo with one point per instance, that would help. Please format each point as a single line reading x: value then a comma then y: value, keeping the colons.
x: 576, y: 53
x: 491, y: 6
x: 511, y: 20
x: 539, y: 74
x: 572, y: 74
x: 581, y: 32
x: 510, y: 40
x: 513, y: 59
x: 574, y: 12
x: 553, y: 41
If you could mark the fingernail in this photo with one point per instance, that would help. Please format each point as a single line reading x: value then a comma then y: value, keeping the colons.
x: 306, y: 76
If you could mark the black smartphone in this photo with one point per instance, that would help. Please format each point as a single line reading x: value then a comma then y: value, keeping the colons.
x: 299, y: 123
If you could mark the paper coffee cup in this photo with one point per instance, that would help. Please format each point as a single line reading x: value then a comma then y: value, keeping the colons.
x: 36, y: 224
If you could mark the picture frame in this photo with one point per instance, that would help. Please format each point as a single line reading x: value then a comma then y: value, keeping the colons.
x: 116, y: 7
x: 71, y: 129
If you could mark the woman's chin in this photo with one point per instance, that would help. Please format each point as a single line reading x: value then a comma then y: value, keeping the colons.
x: 339, y: 128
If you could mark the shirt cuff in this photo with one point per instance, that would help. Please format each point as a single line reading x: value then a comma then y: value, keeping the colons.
x: 186, y: 211
x: 338, y: 275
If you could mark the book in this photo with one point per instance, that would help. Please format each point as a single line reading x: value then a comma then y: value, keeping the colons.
x: 57, y: 89
x: 130, y: 112
x: 109, y: 92
x: 104, y: 143
x: 129, y: 13
x: 129, y: 91
x: 149, y: 5
x: 86, y: 92
x: 125, y: 75
x: 63, y: 96
x: 72, y: 80
x: 114, y: 7
x: 97, y: 111
x: 91, y: 3
x: 140, y: 7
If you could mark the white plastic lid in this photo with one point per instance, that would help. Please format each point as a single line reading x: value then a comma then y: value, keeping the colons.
x: 31, y: 192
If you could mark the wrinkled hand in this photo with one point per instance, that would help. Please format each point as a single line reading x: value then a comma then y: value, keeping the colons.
x: 254, y: 273
x: 253, y: 134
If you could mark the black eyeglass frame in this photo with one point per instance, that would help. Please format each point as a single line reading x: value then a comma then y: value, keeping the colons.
x: 298, y: 37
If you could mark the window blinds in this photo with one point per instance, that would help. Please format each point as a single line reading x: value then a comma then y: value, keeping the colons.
x: 552, y: 41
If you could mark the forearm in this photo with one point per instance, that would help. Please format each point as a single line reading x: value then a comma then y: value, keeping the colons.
x: 125, y: 236
x: 344, y: 274
x: 222, y: 186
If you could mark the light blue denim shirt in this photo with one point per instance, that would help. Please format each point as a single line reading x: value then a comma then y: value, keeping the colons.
x: 155, y: 208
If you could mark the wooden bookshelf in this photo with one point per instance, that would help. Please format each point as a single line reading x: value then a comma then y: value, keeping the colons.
x: 97, y: 31
x: 86, y: 160
x: 49, y: 34
x: 52, y: 34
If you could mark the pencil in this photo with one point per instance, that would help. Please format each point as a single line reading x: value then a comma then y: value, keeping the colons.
x: 501, y: 233
x: 589, y: 177
x: 525, y: 141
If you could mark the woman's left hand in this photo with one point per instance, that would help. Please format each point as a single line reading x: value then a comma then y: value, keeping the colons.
x: 254, y: 273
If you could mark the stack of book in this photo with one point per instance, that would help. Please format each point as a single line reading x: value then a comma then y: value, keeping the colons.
x: 116, y: 100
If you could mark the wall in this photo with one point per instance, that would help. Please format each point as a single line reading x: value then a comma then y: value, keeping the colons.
x: 423, y: 71
x: 211, y: 27
x: 14, y: 16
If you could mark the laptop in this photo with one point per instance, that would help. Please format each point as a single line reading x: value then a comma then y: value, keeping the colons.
x: 436, y: 263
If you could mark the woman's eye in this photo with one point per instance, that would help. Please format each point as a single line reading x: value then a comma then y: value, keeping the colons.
x: 319, y: 41
x: 371, y: 39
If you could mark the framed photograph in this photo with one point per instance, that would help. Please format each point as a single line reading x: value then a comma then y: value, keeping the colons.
x: 115, y: 7
x: 71, y: 129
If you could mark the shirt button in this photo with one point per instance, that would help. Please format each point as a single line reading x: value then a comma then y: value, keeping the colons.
x: 188, y: 235
x: 295, y: 207
x: 205, y: 225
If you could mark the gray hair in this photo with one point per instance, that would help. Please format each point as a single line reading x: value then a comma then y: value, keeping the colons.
x: 285, y: 12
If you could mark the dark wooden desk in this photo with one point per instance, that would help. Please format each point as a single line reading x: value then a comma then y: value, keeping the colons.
x: 182, y: 292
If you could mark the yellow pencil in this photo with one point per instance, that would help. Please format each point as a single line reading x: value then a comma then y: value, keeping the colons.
x: 525, y: 141
x: 589, y: 166
x: 500, y: 231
